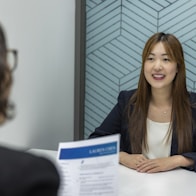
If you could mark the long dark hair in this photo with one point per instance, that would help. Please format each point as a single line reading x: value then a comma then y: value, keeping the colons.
x: 5, y: 77
x: 181, y: 118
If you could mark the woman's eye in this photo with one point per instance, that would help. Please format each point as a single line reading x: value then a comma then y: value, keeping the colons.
x: 150, y: 59
x: 166, y: 59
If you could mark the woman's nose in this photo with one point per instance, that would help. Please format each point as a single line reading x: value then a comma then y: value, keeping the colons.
x: 158, y: 65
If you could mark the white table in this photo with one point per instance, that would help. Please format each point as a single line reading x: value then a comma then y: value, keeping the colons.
x: 178, y: 182
x: 172, y: 183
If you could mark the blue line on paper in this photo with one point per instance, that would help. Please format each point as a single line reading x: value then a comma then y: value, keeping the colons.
x: 88, y: 151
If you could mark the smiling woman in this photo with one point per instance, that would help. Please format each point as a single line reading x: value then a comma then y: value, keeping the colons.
x: 160, y: 69
x: 157, y: 120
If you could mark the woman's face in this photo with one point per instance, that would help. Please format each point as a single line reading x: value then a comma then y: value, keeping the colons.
x: 159, y: 69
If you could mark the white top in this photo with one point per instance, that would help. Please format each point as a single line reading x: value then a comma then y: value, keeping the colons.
x: 157, y: 140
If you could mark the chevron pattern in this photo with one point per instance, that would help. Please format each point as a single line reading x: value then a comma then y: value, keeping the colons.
x: 116, y: 31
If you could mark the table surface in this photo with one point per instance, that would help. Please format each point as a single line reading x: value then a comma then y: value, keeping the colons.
x: 179, y: 182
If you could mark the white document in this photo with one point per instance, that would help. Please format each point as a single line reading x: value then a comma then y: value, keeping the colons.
x: 89, y: 167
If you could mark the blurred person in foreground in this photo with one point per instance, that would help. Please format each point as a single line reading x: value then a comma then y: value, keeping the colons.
x: 21, y: 173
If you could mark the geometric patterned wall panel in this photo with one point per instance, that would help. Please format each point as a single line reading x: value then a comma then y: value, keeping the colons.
x: 116, y: 31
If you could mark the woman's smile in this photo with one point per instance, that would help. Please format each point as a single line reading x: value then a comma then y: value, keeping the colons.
x: 158, y: 76
x: 159, y: 69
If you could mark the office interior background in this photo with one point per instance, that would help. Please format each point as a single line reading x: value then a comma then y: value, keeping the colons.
x: 43, y: 32
x: 63, y: 92
x: 116, y: 31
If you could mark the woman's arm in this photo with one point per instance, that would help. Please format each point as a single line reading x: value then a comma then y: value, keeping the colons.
x: 142, y: 164
x: 115, y: 120
x: 164, y: 164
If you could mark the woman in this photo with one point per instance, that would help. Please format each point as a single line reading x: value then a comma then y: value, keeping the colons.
x: 21, y: 174
x: 157, y: 120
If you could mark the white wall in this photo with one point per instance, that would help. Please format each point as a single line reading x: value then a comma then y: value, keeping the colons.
x: 43, y: 92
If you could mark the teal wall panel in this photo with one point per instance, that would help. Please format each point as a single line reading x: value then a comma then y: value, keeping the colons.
x: 116, y: 31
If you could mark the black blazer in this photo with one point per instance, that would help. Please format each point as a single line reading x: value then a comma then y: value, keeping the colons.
x: 116, y: 122
x: 24, y: 174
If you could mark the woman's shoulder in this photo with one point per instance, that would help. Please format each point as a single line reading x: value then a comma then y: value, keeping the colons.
x: 24, y: 159
x: 33, y: 173
x: 126, y: 94
x: 192, y: 97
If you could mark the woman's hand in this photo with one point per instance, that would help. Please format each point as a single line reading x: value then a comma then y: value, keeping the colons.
x: 163, y: 164
x: 132, y: 160
x: 140, y: 163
